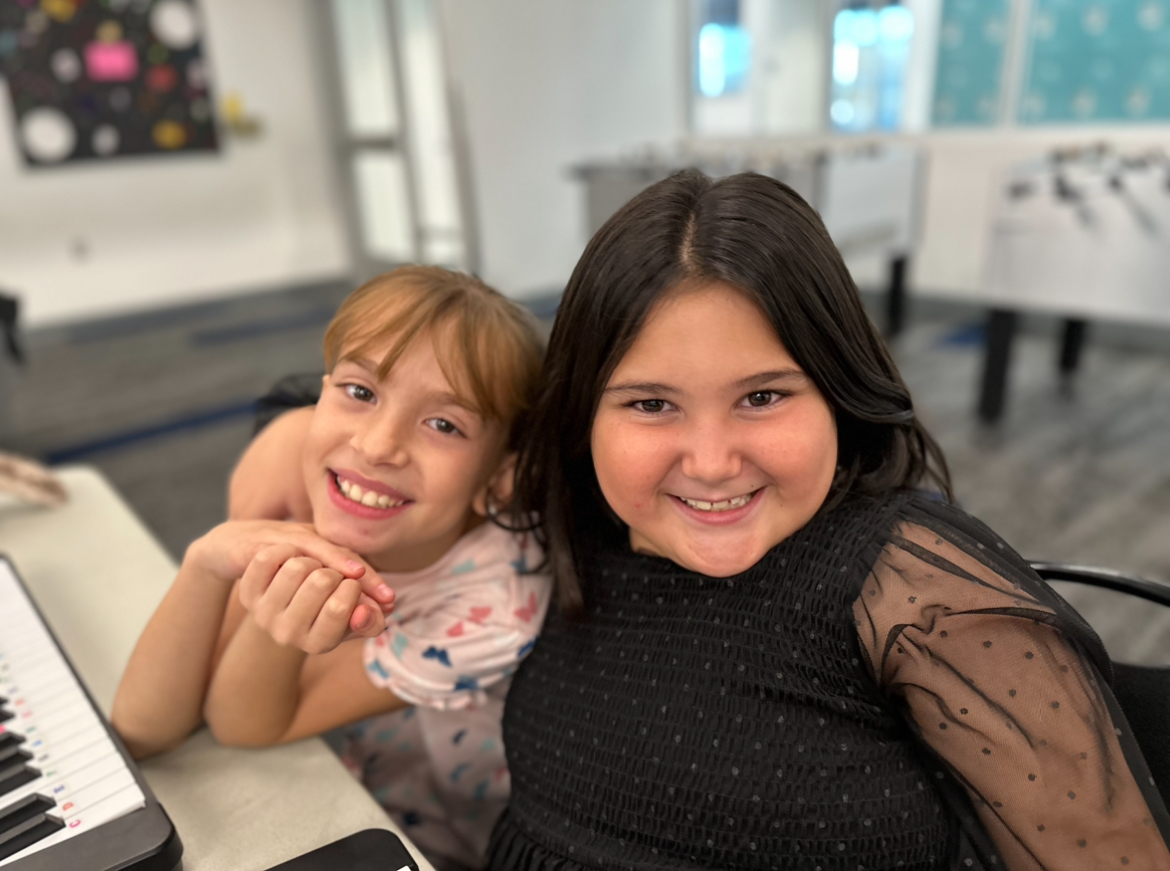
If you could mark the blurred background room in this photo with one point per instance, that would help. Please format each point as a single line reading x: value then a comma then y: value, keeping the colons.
x: 188, y: 188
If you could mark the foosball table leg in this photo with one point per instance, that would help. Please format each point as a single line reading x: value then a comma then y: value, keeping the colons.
x: 1001, y: 330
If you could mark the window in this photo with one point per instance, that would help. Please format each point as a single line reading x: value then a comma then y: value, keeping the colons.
x: 723, y: 50
x: 871, y: 50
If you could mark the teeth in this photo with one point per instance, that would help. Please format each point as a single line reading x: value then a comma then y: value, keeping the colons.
x: 725, y: 505
x: 369, y: 498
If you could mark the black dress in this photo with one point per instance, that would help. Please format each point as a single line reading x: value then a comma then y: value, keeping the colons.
x: 891, y: 687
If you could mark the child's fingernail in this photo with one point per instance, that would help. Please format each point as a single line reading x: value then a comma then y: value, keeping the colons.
x: 384, y: 593
x: 353, y: 566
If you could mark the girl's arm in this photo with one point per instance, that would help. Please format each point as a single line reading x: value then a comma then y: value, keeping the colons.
x: 996, y: 677
x: 267, y: 689
x: 160, y: 698
x: 268, y: 482
x: 264, y: 693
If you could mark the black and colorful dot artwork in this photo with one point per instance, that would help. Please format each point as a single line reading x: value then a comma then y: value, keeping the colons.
x: 99, y: 79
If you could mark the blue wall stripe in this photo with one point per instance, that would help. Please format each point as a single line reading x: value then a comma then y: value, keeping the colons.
x: 198, y: 420
x: 269, y: 326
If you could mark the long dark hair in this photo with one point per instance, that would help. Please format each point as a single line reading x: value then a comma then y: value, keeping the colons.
x: 759, y: 236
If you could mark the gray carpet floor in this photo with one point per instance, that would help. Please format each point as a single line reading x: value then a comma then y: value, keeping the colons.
x: 159, y: 402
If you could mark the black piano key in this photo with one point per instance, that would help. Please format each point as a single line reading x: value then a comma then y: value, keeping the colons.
x: 10, y: 739
x: 6, y: 715
x: 13, y: 762
x: 11, y: 757
x: 24, y: 810
x: 25, y: 774
x: 28, y: 833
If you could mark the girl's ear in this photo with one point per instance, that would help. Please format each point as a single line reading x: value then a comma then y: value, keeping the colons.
x: 498, y: 489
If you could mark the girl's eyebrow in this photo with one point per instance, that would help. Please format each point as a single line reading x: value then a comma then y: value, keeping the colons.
x: 764, y: 378
x: 439, y: 397
x: 361, y: 362
x: 445, y: 397
x: 760, y: 379
x: 641, y: 387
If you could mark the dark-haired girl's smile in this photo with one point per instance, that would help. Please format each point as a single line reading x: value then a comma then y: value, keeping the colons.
x: 719, y: 512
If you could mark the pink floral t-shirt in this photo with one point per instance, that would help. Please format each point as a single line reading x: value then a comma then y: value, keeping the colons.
x: 458, y: 631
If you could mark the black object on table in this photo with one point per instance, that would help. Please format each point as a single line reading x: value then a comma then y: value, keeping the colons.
x: 367, y: 850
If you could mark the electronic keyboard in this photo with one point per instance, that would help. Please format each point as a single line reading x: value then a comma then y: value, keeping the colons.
x: 70, y: 795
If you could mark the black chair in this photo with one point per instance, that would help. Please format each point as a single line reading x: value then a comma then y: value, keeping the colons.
x: 291, y: 391
x: 1142, y: 691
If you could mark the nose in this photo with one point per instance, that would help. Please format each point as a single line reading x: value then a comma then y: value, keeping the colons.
x: 711, y: 454
x: 382, y: 439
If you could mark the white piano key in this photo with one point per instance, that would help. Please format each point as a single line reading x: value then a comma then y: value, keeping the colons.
x: 77, y: 714
x: 111, y: 783
x: 49, y: 737
x: 77, y: 772
x: 27, y: 712
x: 60, y: 749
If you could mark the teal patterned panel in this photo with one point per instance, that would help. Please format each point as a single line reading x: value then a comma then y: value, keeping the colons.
x: 1097, y: 60
x: 968, y: 79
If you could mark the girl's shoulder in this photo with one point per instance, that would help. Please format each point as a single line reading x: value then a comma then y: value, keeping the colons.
x: 485, y: 552
x: 953, y: 527
x: 874, y: 521
x: 492, y: 545
x: 490, y: 568
x: 958, y: 562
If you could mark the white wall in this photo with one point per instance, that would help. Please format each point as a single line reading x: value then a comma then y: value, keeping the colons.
x: 793, y: 66
x: 94, y: 239
x: 548, y: 84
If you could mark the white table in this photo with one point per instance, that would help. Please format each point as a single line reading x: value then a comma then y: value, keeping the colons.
x: 1085, y: 238
x: 97, y: 576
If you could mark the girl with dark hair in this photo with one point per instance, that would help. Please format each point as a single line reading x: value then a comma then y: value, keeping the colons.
x: 770, y: 650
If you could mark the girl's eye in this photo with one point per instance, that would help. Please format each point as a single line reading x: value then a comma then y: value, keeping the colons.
x: 650, y: 406
x: 762, y: 398
x: 361, y: 394
x: 442, y: 425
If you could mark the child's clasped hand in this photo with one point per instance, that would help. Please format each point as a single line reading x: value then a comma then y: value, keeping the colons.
x: 303, y: 603
x: 231, y: 550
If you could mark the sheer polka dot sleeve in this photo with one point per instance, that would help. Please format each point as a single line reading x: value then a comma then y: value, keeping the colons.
x: 997, y: 677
